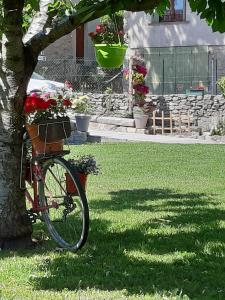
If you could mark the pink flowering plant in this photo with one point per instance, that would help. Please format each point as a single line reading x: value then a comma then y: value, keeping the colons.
x: 138, y: 79
x: 107, y: 32
x: 140, y: 89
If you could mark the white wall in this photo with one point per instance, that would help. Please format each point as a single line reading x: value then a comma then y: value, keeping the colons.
x: 88, y: 45
x: 194, y: 31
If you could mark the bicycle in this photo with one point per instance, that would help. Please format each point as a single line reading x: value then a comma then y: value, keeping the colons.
x: 65, y: 213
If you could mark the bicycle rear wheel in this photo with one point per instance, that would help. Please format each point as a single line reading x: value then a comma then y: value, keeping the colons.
x: 66, y: 215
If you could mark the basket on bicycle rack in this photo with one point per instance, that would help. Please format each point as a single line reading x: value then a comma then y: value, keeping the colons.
x: 48, y: 136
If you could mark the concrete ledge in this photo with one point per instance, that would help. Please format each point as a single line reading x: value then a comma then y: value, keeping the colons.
x: 76, y: 138
x: 114, y: 121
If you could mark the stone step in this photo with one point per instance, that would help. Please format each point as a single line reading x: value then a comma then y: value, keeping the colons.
x: 125, y: 122
x: 97, y: 126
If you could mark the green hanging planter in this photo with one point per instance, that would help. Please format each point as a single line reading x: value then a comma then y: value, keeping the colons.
x: 110, y: 56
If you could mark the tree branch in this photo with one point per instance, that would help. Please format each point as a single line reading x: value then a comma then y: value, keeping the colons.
x: 42, y: 39
x: 39, y: 21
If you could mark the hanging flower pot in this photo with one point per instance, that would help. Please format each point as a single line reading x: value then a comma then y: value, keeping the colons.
x: 70, y: 186
x: 110, y: 56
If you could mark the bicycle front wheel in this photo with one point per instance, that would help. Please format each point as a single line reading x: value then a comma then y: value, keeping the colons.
x: 66, y: 215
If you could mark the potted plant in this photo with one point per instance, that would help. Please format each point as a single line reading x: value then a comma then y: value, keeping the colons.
x: 141, y: 108
x: 108, y: 40
x: 46, y: 120
x: 84, y: 165
x: 80, y: 104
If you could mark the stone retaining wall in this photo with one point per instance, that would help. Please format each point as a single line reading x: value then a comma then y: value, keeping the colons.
x: 205, y: 111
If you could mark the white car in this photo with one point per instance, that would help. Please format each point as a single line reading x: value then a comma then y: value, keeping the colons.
x: 37, y: 82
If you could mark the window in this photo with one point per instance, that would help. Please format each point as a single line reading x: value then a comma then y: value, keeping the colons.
x: 176, y: 13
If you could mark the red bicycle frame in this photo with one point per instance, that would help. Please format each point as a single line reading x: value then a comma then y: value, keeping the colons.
x: 37, y: 176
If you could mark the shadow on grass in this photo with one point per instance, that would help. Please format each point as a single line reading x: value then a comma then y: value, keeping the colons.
x: 142, y: 261
x: 145, y: 199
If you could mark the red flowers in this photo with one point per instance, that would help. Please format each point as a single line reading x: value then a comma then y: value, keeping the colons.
x: 52, y: 102
x: 46, y: 106
x: 35, y: 103
x: 67, y: 102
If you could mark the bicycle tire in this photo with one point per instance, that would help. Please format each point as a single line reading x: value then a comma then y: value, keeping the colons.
x: 68, y: 221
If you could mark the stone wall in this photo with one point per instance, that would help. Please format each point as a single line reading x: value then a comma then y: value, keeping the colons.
x: 109, y: 104
x: 205, y: 111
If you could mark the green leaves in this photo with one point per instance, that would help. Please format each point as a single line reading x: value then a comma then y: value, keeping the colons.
x: 213, y: 11
x: 162, y: 7
x: 61, y: 8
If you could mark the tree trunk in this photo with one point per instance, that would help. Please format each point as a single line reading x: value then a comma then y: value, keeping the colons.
x: 15, y: 226
x: 15, y: 69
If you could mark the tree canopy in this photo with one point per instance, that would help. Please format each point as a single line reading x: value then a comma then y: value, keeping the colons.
x: 66, y: 11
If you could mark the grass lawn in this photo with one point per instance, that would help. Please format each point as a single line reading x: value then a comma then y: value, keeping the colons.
x: 157, y: 230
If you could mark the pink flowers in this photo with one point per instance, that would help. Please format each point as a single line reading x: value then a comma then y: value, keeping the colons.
x: 105, y: 33
x: 99, y: 28
x: 68, y: 85
x: 141, y: 89
x: 141, y: 70
x: 138, y: 79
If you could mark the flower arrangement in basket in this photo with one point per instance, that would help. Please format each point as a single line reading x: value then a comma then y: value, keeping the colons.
x: 84, y: 165
x: 108, y: 40
x: 46, y: 120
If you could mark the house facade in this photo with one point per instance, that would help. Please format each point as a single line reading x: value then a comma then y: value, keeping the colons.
x: 77, y: 44
x: 180, y: 49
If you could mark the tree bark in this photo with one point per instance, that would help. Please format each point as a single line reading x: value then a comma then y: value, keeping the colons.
x: 15, y: 227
